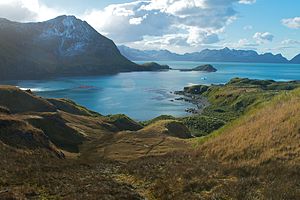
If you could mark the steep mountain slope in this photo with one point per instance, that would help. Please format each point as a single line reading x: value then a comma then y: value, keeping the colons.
x: 296, y: 60
x: 222, y: 55
x: 61, y: 46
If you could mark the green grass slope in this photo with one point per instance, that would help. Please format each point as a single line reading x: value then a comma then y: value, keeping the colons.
x: 269, y: 132
x: 230, y: 101
x: 254, y: 156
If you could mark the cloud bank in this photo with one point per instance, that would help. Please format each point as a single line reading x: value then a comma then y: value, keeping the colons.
x: 262, y: 38
x: 26, y: 10
x: 293, y: 23
x: 188, y: 23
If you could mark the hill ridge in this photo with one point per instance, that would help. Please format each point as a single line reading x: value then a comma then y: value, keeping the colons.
x: 206, y: 55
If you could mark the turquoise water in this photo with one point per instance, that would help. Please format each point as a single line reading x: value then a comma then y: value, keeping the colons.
x: 145, y: 95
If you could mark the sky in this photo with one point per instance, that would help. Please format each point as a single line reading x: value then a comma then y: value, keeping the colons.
x: 178, y: 25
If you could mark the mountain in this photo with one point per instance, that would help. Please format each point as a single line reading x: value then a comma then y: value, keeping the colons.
x: 64, y: 46
x: 147, y: 55
x: 232, y: 55
x: 222, y: 55
x: 296, y: 60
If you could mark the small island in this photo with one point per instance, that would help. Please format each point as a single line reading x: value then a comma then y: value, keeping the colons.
x: 201, y: 68
x: 153, y: 66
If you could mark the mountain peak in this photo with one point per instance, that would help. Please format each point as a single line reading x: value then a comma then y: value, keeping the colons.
x: 226, y: 49
x: 66, y: 20
x: 217, y: 55
x: 64, y: 17
x: 63, y: 45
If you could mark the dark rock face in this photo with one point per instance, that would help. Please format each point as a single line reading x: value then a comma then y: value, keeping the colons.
x: 196, y: 89
x: 64, y: 46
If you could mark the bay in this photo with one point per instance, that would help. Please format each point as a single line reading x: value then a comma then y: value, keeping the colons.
x: 145, y: 95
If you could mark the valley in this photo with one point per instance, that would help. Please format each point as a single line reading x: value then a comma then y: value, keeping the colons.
x: 56, y: 149
x: 149, y: 100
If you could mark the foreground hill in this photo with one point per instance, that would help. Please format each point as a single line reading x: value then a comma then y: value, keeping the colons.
x: 255, y: 157
x: 269, y: 133
x: 64, y: 46
x: 56, y: 149
x: 222, y: 55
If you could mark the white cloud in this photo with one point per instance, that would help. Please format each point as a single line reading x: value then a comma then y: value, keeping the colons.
x: 290, y: 42
x: 138, y: 20
x: 246, y: 43
x: 186, y: 22
x: 263, y: 37
x: 243, y: 44
x: 248, y: 27
x: 26, y: 10
x: 291, y: 22
x: 247, y: 1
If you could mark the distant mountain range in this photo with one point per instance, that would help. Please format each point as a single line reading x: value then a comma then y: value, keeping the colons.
x: 64, y: 46
x: 67, y: 46
x: 222, y: 55
x: 296, y: 60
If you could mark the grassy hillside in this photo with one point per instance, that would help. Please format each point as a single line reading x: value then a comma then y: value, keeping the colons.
x: 61, y: 150
x: 230, y: 101
x: 253, y: 157
x: 269, y: 132
x: 18, y: 101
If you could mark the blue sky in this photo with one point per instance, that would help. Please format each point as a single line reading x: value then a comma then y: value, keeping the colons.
x: 178, y: 25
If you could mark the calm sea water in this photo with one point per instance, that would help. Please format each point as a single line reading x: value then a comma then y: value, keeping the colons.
x: 145, y: 95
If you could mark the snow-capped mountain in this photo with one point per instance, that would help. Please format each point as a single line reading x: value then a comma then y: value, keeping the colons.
x: 61, y: 46
x: 74, y: 35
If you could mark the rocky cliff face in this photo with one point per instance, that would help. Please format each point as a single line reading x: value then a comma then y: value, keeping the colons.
x: 58, y: 47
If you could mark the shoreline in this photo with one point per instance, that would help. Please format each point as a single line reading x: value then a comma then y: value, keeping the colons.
x: 199, y: 101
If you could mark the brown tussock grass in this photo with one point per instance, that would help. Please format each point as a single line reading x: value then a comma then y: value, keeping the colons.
x: 266, y: 134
